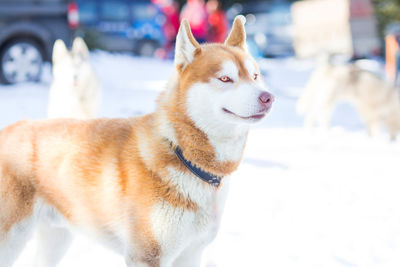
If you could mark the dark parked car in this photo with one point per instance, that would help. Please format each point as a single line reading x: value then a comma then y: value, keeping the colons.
x: 122, y: 25
x: 28, y: 29
x: 269, y: 26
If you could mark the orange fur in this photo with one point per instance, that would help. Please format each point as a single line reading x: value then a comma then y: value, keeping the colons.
x: 237, y: 37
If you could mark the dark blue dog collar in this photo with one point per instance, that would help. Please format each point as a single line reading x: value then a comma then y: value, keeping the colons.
x: 205, y: 176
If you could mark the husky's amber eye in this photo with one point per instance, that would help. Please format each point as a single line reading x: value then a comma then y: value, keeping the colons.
x: 255, y: 76
x: 225, y: 79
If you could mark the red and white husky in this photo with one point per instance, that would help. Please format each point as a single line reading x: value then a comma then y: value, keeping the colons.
x: 121, y: 180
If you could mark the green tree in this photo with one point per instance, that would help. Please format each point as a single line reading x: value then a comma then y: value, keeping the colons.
x: 387, y: 11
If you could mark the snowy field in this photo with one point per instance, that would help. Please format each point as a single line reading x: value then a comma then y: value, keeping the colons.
x: 300, y: 197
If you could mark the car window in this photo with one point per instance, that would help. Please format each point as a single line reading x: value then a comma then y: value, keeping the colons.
x: 114, y: 10
x: 87, y: 11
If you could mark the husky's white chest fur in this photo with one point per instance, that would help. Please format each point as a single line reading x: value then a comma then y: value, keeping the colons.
x: 178, y: 230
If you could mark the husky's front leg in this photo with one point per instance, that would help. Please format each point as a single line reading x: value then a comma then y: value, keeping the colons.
x: 191, y: 256
x: 13, y: 241
x: 135, y: 262
x: 52, y: 243
x: 140, y: 257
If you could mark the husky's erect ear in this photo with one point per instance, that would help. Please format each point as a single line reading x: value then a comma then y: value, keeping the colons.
x: 60, y: 51
x: 79, y: 47
x: 185, y: 46
x: 237, y: 36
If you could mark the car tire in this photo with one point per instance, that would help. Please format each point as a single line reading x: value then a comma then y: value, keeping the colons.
x: 21, y: 61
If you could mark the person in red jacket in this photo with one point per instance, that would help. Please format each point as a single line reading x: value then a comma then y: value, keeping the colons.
x: 170, y: 10
x: 195, y: 12
x: 218, y: 23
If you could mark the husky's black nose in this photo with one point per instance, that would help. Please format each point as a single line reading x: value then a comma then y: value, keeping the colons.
x: 266, y: 99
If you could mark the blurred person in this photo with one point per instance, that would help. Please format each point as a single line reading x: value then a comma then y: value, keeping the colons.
x: 377, y: 101
x: 397, y: 60
x: 196, y: 13
x: 392, y: 47
x: 75, y: 90
x: 170, y: 9
x: 218, y: 23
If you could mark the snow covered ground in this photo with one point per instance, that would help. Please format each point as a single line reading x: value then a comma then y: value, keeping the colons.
x: 300, y: 197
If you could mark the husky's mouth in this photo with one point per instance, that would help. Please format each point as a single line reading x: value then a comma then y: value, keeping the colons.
x: 257, y: 116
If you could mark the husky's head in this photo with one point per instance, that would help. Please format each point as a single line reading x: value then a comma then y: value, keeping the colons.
x: 220, y: 83
x: 71, y: 68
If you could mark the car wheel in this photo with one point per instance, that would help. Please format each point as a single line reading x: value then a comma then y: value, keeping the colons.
x: 20, y: 61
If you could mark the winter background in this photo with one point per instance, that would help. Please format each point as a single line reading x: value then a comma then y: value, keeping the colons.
x: 300, y: 197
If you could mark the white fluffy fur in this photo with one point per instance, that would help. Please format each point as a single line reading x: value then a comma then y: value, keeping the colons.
x: 186, y: 234
x: 195, y: 189
x: 229, y: 69
x: 250, y: 66
x: 12, y: 244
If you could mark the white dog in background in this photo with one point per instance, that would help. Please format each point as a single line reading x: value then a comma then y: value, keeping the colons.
x: 376, y: 101
x: 75, y: 91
